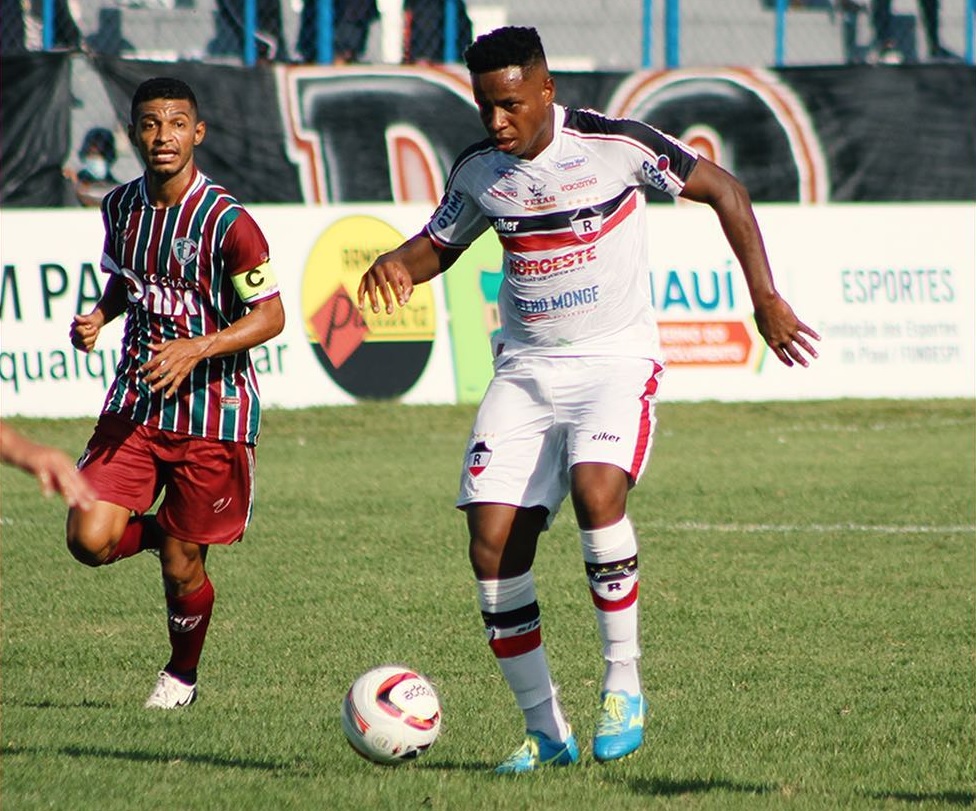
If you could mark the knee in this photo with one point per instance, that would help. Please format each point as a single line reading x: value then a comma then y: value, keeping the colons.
x: 88, y: 550
x: 88, y: 545
x: 182, y: 568
x: 599, y: 496
x: 484, y: 554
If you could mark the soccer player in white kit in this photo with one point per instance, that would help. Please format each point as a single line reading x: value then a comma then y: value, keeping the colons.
x: 570, y: 409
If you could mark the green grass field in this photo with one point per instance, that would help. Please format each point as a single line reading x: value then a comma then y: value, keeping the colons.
x: 808, y: 608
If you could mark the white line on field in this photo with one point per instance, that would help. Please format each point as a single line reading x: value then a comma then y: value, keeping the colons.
x: 909, y: 529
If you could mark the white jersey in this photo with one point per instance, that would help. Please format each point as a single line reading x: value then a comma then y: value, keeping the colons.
x: 571, y: 224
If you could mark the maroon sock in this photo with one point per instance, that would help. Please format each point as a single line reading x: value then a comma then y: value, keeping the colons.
x: 142, y: 532
x: 189, y: 618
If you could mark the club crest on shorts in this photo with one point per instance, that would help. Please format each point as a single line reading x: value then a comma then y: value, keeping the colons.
x: 478, y: 458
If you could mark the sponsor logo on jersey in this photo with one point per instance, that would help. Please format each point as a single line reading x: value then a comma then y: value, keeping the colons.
x: 221, y: 504
x: 655, y: 173
x: 478, y: 458
x: 581, y: 183
x: 568, y: 164
x: 605, y: 436
x: 540, y: 201
x: 162, y: 295
x: 185, y: 250
x: 552, y: 264
x: 557, y: 306
x: 505, y: 191
x: 230, y: 402
x: 506, y: 226
x: 450, y: 209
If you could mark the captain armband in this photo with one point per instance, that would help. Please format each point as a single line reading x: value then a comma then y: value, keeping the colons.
x: 256, y: 284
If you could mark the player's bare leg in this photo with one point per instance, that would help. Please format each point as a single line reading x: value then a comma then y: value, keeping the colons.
x: 502, y: 549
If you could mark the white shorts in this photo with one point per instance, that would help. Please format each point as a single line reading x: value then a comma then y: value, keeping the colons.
x: 541, y: 416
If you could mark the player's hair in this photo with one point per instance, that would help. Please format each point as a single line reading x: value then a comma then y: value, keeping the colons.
x: 163, y: 87
x: 511, y: 46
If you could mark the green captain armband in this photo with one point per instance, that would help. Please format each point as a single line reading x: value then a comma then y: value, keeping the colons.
x: 254, y: 285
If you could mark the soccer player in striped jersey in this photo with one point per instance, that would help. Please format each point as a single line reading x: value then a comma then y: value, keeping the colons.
x: 570, y: 408
x: 189, y: 268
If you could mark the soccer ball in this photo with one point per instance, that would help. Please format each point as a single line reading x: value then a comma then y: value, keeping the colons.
x: 391, y: 714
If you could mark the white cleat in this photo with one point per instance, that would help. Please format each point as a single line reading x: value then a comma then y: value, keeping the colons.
x: 170, y: 693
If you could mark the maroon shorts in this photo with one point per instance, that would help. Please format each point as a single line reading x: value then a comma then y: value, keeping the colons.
x: 207, y: 484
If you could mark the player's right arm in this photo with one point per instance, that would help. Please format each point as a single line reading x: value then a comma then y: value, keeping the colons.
x: 393, y: 275
x: 85, y: 328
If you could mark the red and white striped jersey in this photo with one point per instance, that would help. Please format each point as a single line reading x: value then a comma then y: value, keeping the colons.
x: 177, y: 264
x: 571, y: 224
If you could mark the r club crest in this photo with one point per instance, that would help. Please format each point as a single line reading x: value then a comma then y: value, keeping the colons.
x: 587, y: 228
x: 478, y: 458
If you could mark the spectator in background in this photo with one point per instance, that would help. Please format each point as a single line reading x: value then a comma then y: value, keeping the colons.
x: 53, y: 469
x: 886, y: 44
x: 423, y: 30
x: 271, y: 45
x: 97, y: 155
x: 351, y: 20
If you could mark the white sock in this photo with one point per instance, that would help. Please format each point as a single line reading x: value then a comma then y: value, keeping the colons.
x: 610, y: 555
x: 512, y: 621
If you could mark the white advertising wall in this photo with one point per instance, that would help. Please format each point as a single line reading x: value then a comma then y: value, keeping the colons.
x: 889, y: 287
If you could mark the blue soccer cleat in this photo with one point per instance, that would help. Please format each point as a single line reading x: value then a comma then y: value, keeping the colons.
x: 540, y: 750
x: 621, y: 729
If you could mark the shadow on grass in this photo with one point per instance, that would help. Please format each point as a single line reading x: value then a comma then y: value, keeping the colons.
x: 661, y: 787
x: 943, y: 797
x: 170, y: 758
x: 454, y: 766
x: 66, y: 705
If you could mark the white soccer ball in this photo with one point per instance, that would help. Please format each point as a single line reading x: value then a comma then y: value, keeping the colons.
x: 391, y: 714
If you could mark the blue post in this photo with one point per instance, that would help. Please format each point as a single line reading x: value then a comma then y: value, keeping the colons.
x: 672, y: 33
x: 647, y: 31
x: 47, y: 25
x: 250, y: 29
x: 780, y: 32
x: 324, y: 30
x: 970, y: 33
x: 450, y: 31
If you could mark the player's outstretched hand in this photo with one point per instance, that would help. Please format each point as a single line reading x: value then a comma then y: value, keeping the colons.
x: 387, y: 279
x: 56, y: 473
x: 52, y: 468
x: 785, y: 333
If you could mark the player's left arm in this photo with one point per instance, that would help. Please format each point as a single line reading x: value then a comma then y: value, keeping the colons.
x: 779, y: 326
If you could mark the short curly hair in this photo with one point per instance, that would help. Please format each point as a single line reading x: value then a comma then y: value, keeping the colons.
x: 505, y: 47
x: 163, y: 87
